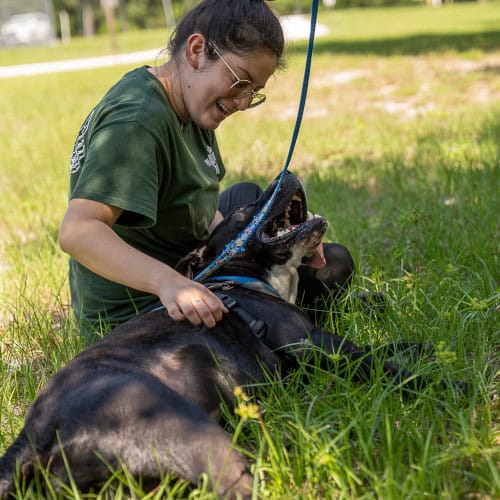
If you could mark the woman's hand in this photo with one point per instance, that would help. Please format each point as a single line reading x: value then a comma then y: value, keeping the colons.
x: 186, y: 299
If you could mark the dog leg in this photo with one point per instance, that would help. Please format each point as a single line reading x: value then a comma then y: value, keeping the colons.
x: 19, y: 454
x: 364, y: 360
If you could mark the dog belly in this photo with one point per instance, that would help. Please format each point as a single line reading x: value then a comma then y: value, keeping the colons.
x: 143, y: 424
x: 205, y: 376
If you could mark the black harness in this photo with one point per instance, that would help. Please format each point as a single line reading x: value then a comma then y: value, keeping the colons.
x: 220, y: 284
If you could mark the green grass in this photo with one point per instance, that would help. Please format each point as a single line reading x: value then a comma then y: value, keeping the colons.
x: 399, y: 148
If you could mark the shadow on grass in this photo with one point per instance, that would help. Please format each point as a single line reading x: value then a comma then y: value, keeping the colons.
x: 488, y: 41
x: 442, y: 207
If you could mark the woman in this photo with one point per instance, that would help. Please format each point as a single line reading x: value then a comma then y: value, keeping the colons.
x: 146, y: 168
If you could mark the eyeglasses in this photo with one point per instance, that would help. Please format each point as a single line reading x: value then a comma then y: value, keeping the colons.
x: 242, y: 89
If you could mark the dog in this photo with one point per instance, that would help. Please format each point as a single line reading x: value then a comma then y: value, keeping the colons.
x: 148, y: 394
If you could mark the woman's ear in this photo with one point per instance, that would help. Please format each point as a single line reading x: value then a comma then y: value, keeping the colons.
x: 195, y: 49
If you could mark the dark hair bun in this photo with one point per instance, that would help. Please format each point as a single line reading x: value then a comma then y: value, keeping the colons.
x: 238, y: 26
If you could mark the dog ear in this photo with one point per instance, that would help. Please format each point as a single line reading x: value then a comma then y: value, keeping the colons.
x: 192, y: 263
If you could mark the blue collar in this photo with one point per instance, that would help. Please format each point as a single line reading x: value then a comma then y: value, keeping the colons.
x: 247, y: 282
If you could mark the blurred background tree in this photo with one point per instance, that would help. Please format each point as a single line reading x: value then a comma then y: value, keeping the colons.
x: 86, y: 17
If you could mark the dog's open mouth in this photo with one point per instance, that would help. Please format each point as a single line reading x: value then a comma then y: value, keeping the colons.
x: 290, y: 224
x: 288, y: 220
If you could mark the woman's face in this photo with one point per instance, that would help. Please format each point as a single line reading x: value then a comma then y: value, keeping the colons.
x: 211, y: 95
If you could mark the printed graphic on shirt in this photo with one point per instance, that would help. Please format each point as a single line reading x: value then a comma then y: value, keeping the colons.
x: 79, y: 147
x: 211, y: 160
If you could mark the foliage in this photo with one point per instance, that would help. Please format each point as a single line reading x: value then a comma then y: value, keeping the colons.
x: 147, y: 14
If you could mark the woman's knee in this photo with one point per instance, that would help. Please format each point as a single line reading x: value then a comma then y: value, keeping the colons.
x: 238, y: 195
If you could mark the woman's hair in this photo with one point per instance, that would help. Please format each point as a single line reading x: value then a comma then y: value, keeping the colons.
x: 239, y: 26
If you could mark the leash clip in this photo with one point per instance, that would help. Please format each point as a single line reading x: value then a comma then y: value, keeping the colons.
x: 228, y: 301
x: 225, y: 285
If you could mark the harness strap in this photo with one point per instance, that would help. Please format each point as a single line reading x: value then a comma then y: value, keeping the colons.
x: 256, y: 326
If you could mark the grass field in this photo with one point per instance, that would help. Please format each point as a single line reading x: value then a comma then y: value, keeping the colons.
x: 400, y: 148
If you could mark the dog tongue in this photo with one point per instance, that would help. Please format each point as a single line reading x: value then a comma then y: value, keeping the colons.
x: 317, y: 260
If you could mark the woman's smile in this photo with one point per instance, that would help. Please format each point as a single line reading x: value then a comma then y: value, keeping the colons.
x: 225, y: 110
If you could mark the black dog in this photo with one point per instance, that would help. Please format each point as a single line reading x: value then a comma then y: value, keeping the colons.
x: 148, y: 395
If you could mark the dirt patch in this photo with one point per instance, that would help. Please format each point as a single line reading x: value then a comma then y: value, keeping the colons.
x: 406, y: 88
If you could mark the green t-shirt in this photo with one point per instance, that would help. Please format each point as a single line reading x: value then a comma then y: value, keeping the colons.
x: 132, y: 152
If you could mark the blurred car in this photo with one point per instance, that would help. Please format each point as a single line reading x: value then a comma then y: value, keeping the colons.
x: 26, y: 29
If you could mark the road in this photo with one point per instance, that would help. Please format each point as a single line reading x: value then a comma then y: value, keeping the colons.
x: 295, y: 28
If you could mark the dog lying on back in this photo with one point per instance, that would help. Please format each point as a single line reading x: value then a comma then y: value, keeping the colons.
x: 148, y: 395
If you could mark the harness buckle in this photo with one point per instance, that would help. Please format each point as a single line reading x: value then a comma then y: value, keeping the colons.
x: 228, y: 301
x: 258, y: 328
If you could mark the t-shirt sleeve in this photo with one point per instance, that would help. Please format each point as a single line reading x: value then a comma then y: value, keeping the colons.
x: 121, y: 169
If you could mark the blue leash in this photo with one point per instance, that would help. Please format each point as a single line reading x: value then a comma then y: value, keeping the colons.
x: 238, y: 245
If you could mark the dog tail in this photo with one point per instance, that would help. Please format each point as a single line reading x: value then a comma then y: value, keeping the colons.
x: 19, y: 456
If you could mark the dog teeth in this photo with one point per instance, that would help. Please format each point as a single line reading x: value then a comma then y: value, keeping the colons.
x: 284, y: 230
x: 310, y: 215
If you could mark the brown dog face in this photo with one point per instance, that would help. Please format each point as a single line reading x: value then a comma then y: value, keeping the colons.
x: 286, y: 237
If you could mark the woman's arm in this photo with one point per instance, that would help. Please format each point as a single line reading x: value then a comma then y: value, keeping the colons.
x: 86, y: 234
